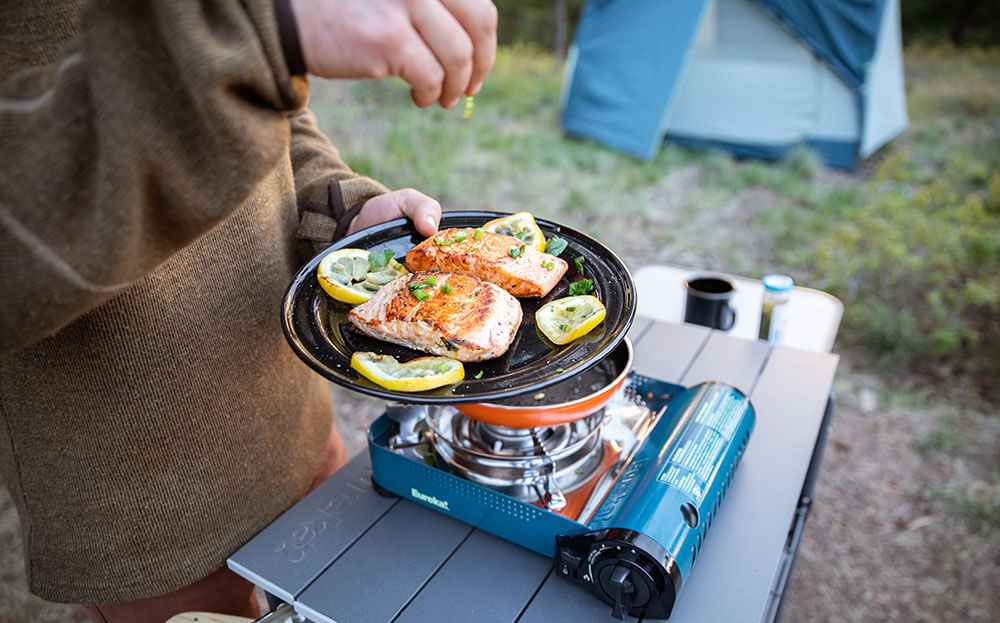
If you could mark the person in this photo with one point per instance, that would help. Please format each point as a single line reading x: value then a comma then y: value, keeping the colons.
x: 161, y: 174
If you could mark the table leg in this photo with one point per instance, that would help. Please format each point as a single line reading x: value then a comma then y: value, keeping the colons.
x: 773, y: 612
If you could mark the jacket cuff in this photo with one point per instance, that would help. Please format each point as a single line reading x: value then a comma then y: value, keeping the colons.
x: 322, y: 225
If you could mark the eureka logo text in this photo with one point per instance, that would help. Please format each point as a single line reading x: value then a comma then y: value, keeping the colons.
x: 430, y: 499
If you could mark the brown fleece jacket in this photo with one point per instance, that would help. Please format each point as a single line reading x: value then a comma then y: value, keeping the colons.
x: 156, y: 158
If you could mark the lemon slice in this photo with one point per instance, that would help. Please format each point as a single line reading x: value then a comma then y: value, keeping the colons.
x: 353, y: 275
x: 416, y: 375
x: 570, y: 318
x: 521, y: 226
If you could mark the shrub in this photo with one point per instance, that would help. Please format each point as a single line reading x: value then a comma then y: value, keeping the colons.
x: 919, y: 270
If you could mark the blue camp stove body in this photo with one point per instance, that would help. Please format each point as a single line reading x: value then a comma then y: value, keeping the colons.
x: 641, y: 543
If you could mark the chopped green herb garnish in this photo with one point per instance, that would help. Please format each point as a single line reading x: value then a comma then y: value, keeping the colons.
x: 563, y: 328
x: 442, y: 242
x: 442, y: 367
x: 478, y: 375
x: 479, y: 234
x: 515, y: 251
x: 446, y: 289
x: 421, y: 294
x: 521, y: 235
x: 377, y: 260
x: 578, y: 262
x: 460, y: 236
x: 571, y: 308
x: 417, y: 285
x: 548, y: 265
x: 431, y: 281
x: 555, y: 246
x: 583, y: 286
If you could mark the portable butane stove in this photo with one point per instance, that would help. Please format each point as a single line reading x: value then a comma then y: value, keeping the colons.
x: 621, y: 498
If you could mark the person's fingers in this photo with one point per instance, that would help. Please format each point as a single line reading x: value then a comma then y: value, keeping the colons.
x: 422, y: 210
x: 447, y: 39
x: 413, y: 204
x: 417, y: 65
x: 479, y: 19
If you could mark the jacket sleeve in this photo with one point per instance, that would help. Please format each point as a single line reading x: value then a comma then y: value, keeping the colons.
x: 155, y: 123
x: 327, y: 190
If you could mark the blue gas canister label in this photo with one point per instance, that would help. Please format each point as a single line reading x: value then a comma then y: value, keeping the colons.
x: 699, y: 450
x: 723, y: 413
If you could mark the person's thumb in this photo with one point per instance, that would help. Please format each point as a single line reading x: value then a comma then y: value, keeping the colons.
x: 421, y: 209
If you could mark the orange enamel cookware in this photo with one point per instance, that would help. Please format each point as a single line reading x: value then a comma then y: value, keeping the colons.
x: 563, y: 402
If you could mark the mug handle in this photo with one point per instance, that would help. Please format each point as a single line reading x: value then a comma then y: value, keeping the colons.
x: 727, y: 317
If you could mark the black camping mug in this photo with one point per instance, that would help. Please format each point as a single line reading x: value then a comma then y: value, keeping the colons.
x: 708, y: 302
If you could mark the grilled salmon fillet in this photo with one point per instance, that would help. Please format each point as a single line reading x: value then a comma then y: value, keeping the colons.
x: 503, y: 260
x: 460, y: 316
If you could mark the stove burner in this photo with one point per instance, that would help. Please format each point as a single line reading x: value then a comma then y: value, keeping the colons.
x: 531, y: 464
x: 505, y: 441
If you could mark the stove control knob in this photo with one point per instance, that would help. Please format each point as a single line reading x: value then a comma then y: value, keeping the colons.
x: 626, y: 585
x: 622, y: 590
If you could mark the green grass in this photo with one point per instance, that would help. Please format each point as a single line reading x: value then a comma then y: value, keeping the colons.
x: 945, y: 438
x: 969, y: 484
x: 979, y: 505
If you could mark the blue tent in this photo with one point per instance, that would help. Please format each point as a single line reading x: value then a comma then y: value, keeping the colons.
x: 755, y: 77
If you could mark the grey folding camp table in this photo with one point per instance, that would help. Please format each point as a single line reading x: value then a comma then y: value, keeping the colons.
x: 347, y: 554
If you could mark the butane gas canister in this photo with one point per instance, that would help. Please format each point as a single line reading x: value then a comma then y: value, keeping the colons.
x: 645, y: 536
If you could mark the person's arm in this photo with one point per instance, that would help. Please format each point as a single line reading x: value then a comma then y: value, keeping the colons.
x: 155, y: 124
x: 333, y: 200
x: 328, y: 192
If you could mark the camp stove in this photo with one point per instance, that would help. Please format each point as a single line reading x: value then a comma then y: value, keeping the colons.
x: 621, y: 498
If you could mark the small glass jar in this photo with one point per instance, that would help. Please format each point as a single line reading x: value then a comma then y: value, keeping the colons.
x: 774, y: 308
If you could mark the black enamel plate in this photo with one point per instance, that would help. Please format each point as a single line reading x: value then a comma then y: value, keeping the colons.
x: 318, y: 330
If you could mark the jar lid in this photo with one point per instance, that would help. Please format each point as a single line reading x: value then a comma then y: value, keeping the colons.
x: 778, y: 283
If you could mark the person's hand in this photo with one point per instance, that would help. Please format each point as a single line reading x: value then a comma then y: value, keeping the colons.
x: 442, y: 48
x: 413, y: 204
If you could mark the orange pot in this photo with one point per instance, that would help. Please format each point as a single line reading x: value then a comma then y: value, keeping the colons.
x: 559, y: 413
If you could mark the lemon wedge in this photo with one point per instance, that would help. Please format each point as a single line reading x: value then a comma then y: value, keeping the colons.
x: 416, y: 375
x: 521, y: 226
x: 353, y: 275
x: 570, y: 318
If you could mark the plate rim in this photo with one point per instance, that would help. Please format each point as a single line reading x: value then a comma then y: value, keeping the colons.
x: 307, y: 357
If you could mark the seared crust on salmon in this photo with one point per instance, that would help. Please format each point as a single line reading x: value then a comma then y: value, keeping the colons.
x: 460, y: 316
x: 511, y: 264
